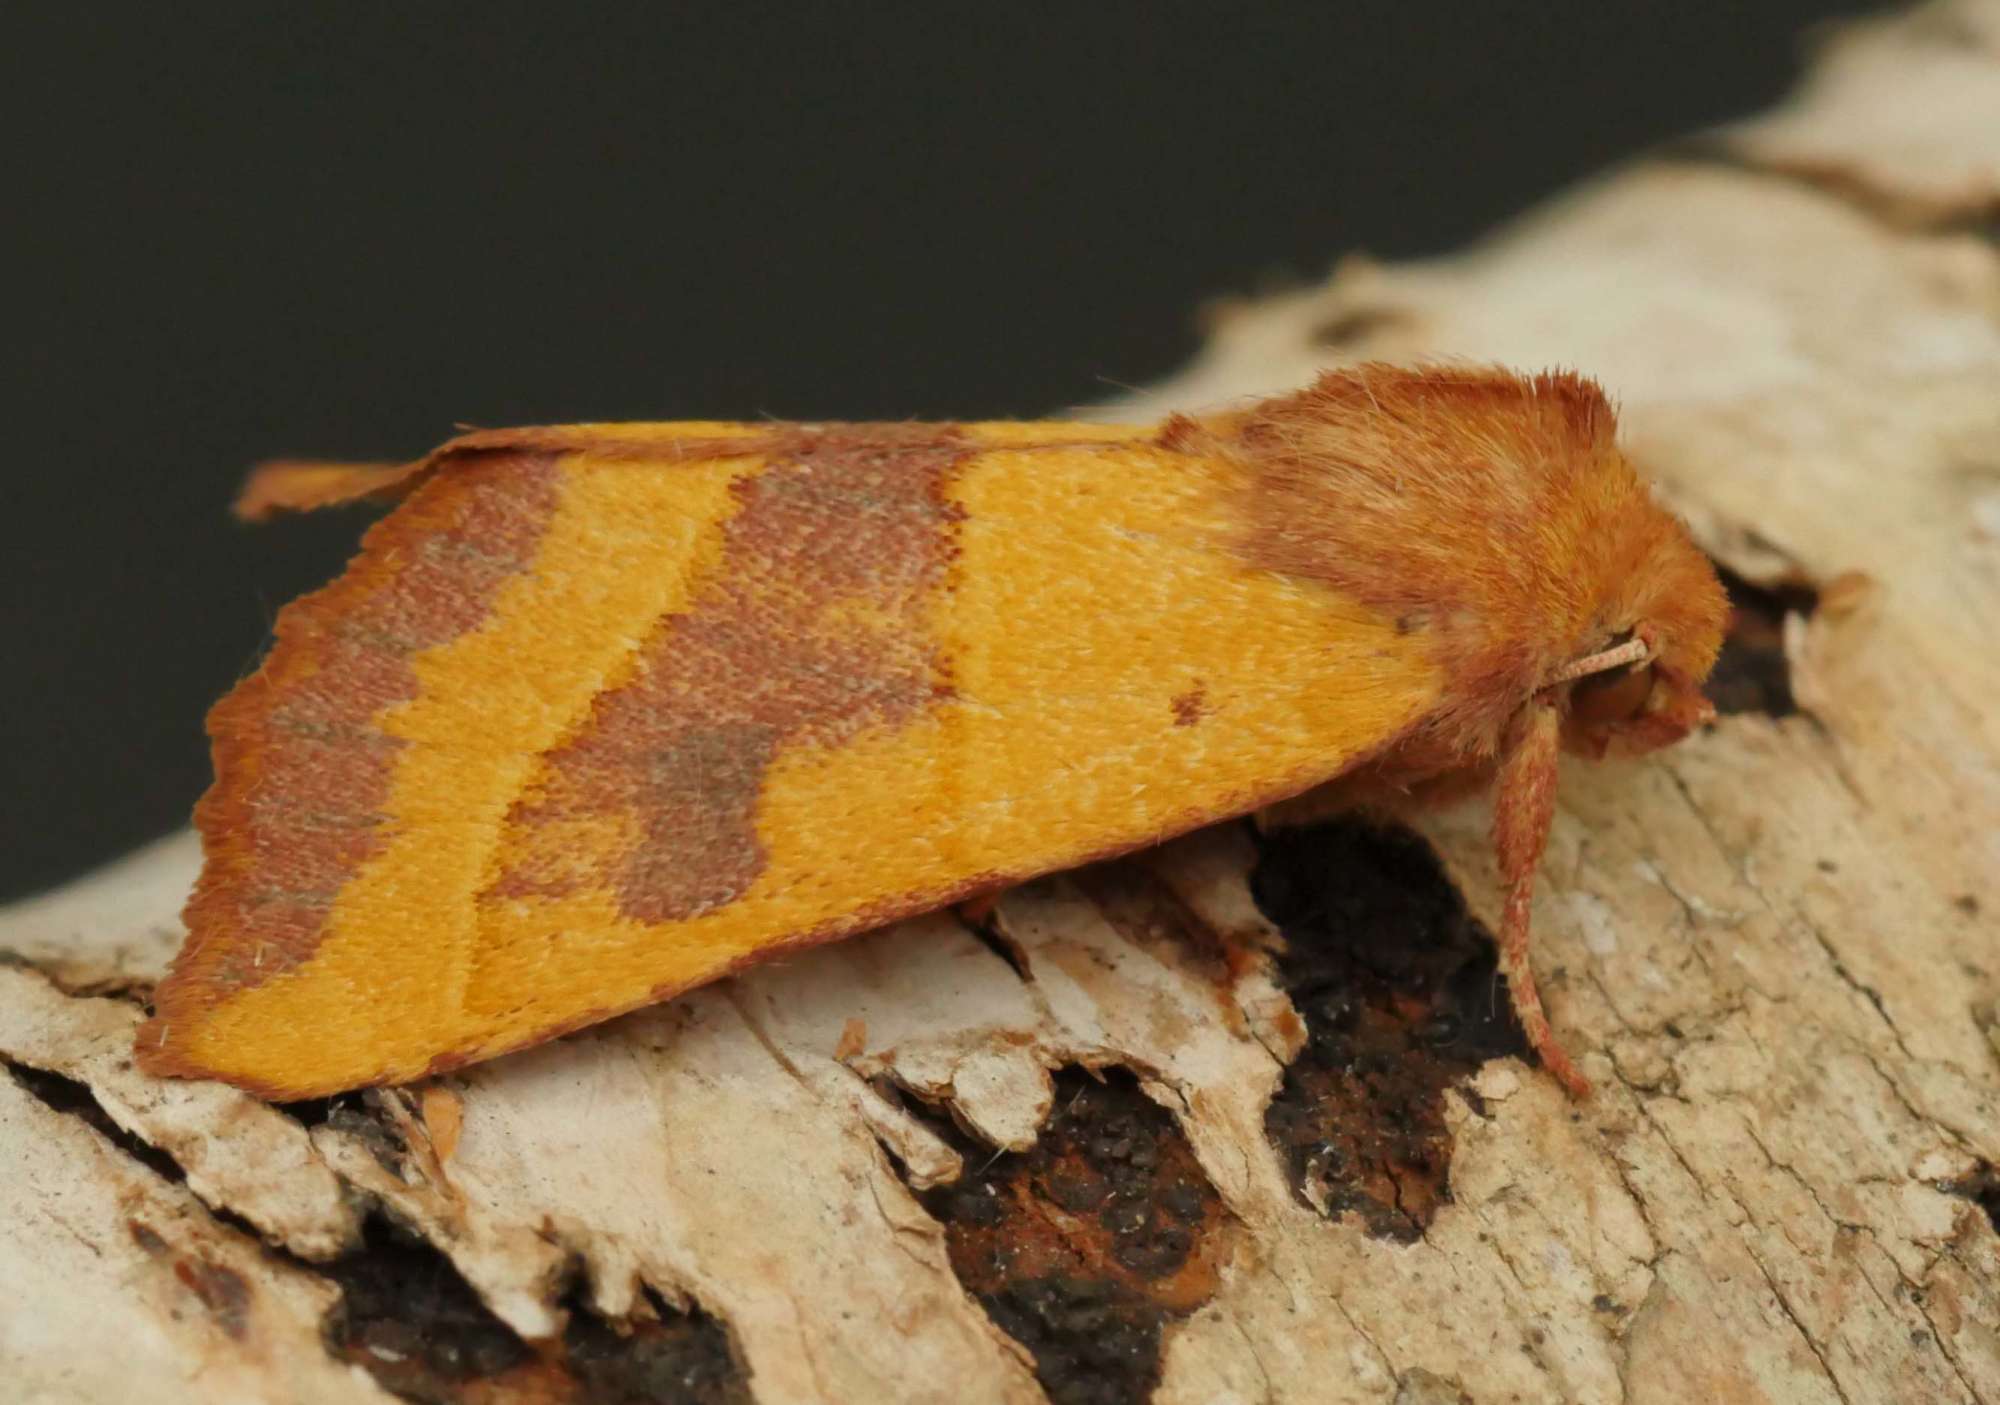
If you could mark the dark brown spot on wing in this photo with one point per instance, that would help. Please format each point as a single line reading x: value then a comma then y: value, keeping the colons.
x: 809, y: 629
x: 1191, y: 706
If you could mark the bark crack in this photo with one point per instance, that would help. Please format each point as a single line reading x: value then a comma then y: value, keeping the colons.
x: 72, y: 1097
x: 1785, y: 1306
x: 1869, y: 1234
x: 1850, y: 189
x: 1742, y: 873
x: 1921, y: 1297
x: 898, y: 1228
x: 1256, y: 1357
x: 763, y: 1037
x: 1858, y: 986
x: 1382, y: 1357
x: 1531, y: 1338
x: 1935, y: 1121
x: 1746, y: 1217
x: 1792, y: 1173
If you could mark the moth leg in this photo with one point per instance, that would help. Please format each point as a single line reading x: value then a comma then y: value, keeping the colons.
x: 976, y: 912
x: 1524, y: 805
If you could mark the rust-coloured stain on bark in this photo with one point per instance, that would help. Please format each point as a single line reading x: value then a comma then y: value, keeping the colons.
x: 1086, y: 1248
x: 811, y: 629
x: 409, y: 1319
x: 222, y: 1291
x: 304, y: 774
x: 1401, y: 998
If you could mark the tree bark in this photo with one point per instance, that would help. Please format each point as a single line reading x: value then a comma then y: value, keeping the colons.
x: 1239, y: 1120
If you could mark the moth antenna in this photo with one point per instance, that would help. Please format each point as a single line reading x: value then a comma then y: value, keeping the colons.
x: 1524, y: 806
x: 1630, y: 652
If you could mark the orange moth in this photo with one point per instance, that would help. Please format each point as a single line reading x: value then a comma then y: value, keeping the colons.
x: 604, y: 712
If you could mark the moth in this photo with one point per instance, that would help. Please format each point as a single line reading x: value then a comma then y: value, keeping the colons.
x: 604, y: 712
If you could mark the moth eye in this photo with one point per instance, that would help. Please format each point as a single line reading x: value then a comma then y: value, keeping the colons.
x: 1617, y: 696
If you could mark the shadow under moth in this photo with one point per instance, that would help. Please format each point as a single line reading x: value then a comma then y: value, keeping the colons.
x: 603, y: 712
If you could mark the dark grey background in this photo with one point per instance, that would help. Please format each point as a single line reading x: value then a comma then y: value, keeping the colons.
x: 244, y: 230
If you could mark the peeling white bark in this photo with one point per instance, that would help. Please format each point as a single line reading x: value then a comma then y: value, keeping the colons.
x: 236, y: 1153
x: 120, y: 1286
x: 1773, y: 947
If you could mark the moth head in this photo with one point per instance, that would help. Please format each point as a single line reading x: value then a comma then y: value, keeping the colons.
x: 1636, y: 684
x: 1632, y: 708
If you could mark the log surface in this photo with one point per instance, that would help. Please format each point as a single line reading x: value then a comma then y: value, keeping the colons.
x: 1238, y: 1121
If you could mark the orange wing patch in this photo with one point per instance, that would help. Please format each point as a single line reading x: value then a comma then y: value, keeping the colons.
x: 603, y: 713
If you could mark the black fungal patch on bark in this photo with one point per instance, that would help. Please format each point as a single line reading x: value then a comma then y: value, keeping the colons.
x: 1401, y: 997
x: 382, y: 1140
x: 1982, y: 1188
x: 676, y: 1359
x: 1752, y: 674
x: 1086, y: 1247
x: 411, y: 1321
x: 309, y: 1112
